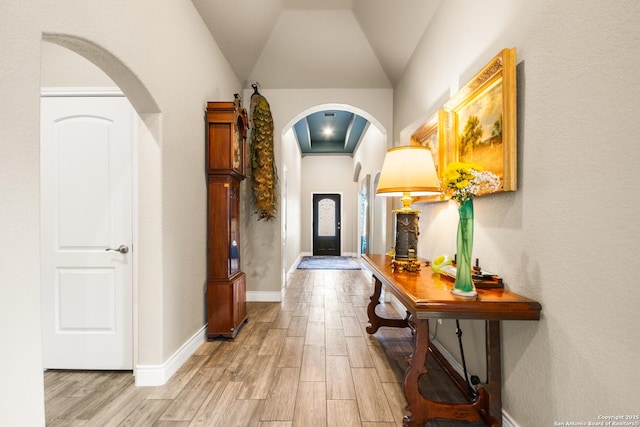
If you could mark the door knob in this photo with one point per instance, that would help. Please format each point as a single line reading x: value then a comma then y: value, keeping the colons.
x: 123, y: 249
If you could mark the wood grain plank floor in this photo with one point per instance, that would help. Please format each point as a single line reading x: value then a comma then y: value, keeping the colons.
x: 304, y: 362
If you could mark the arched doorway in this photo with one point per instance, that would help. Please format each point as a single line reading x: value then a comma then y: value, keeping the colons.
x: 299, y: 216
x: 69, y: 62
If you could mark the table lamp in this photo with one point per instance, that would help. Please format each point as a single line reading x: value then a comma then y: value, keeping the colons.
x: 407, y: 171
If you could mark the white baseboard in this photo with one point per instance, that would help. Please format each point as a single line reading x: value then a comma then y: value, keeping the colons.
x: 507, y: 421
x: 155, y: 375
x: 295, y: 264
x: 264, y: 296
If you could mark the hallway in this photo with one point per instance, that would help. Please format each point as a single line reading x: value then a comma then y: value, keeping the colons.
x: 307, y: 361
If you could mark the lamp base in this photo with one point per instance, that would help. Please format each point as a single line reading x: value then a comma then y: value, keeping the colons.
x: 411, y: 265
x: 406, y: 244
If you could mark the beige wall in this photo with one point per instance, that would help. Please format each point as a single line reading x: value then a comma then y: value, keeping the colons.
x: 291, y: 197
x: 370, y: 154
x: 62, y: 67
x: 263, y: 259
x: 142, y: 46
x: 569, y: 236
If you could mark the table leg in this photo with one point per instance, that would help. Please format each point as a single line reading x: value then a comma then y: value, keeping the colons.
x: 423, y: 409
x: 494, y: 369
x: 417, y: 367
x: 377, y: 321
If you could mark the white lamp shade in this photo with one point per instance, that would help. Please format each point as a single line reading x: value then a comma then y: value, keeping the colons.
x: 408, y: 169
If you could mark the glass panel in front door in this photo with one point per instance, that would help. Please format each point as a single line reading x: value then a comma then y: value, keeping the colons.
x: 326, y: 218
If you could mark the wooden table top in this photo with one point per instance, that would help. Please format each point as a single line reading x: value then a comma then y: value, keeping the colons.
x: 426, y: 295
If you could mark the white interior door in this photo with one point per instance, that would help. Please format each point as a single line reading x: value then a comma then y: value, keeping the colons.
x: 86, y: 209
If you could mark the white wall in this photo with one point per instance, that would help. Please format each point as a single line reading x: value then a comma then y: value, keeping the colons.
x: 569, y: 236
x: 142, y: 46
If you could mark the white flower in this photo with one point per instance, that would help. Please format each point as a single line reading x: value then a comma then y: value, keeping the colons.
x: 463, y: 181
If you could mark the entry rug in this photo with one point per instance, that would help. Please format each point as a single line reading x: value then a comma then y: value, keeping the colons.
x: 329, y: 263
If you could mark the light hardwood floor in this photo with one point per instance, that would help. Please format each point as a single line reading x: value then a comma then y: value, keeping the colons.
x: 306, y: 361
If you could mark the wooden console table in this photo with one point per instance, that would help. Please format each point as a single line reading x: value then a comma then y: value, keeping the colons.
x: 426, y: 296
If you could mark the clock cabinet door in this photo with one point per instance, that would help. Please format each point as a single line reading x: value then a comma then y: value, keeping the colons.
x: 239, y: 300
x: 234, y: 227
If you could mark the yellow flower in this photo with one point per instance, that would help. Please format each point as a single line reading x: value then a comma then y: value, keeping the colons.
x: 462, y: 184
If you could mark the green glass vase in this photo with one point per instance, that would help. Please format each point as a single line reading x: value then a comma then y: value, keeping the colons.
x: 463, y: 285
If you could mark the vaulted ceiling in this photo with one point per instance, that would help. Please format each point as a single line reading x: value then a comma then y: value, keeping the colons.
x: 308, y: 44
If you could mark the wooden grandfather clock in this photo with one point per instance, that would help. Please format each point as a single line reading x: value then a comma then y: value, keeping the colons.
x: 227, y: 125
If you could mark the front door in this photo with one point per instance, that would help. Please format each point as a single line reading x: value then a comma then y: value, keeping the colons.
x: 86, y: 232
x: 326, y: 224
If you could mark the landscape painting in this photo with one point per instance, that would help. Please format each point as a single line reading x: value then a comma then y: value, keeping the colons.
x: 481, y: 125
x: 477, y: 124
x: 480, y: 130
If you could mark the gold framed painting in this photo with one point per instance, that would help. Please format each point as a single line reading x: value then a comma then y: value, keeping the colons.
x: 432, y: 136
x: 481, y: 120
